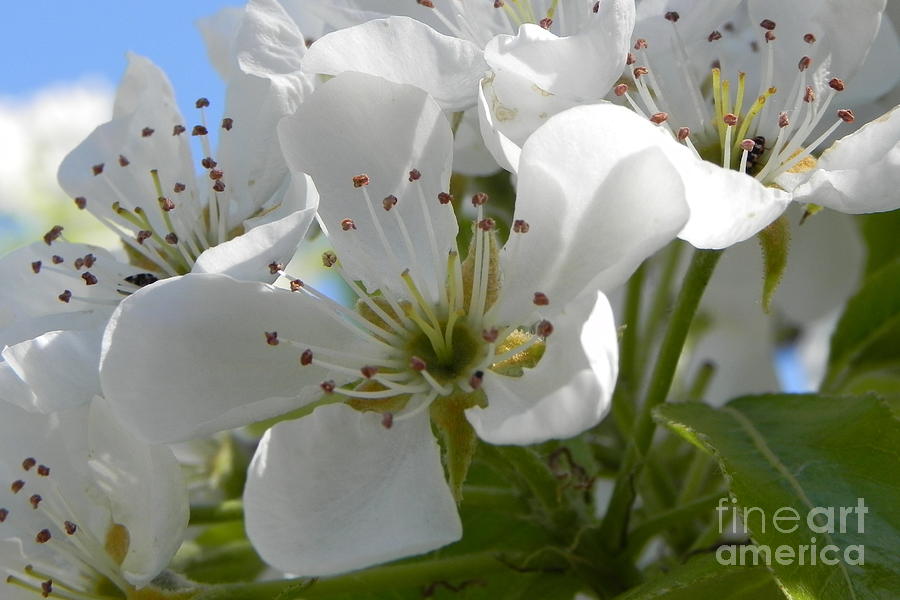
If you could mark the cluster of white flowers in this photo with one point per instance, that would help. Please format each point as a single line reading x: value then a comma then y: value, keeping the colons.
x: 625, y: 127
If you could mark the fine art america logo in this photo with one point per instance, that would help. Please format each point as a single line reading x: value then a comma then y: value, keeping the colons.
x: 822, y: 521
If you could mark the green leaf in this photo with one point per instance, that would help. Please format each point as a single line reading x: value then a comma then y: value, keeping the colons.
x: 810, y: 454
x: 880, y: 234
x: 865, y: 336
x: 704, y: 577
x: 775, y: 241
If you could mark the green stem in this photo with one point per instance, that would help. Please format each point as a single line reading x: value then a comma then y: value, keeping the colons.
x: 703, y: 263
x: 666, y: 519
x: 535, y: 474
x: 702, y: 379
x: 628, y: 384
x: 230, y: 510
x: 392, y: 578
x: 662, y: 297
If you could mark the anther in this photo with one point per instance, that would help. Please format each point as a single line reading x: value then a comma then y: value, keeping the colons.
x: 544, y: 328
x: 810, y: 95
x: 201, y: 103
x: 178, y: 130
x: 389, y: 202
x: 360, y: 180
x: 596, y: 8
x: 306, y: 357
x: 275, y: 267
x: 836, y: 84
x: 272, y: 338
x: 179, y: 187
x: 53, y: 235
x: 216, y: 174
x: 684, y: 133
x: 70, y: 527
x: 80, y: 202
x: 79, y: 262
x: 65, y: 296
x: 521, y: 226
x: 479, y: 199
x: 227, y: 123
x: 714, y: 36
x: 783, y: 120
x: 147, y: 131
x: 166, y: 204
x: 640, y: 44
x: 143, y: 235
x: 3, y: 514
x: 546, y: 22
x: 329, y: 258
x: 43, y: 470
x: 28, y: 463
x: 804, y: 63
x: 748, y: 145
x: 36, y: 266
x: 846, y: 115
x: 630, y: 59
x: 89, y: 260
x: 490, y: 335
x: 43, y: 536
x: 640, y: 71
x: 219, y: 186
x: 417, y: 364
x: 415, y: 175
x: 499, y: 4
x: 621, y: 89
x: 347, y: 224
x: 541, y: 299
x: 672, y: 16
x: 296, y: 284
x: 730, y: 119
x: 369, y: 371
x: 476, y: 379
x: 426, y: 3
x: 171, y: 238
x: 387, y: 420
x: 659, y: 118
x: 46, y: 588
x: 35, y: 501
x: 486, y: 224
x: 327, y: 386
x: 56, y: 259
x: 199, y: 130
x: 97, y: 169
x: 89, y: 278
x: 770, y: 37
x: 809, y: 38
x: 767, y: 24
x: 123, y: 162
x: 208, y: 163
x: 445, y: 198
x: 16, y: 486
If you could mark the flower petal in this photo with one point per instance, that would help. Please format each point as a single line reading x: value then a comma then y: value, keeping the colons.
x: 861, y: 172
x: 595, y: 212
x: 567, y: 392
x: 187, y: 356
x: 368, y: 125
x: 335, y: 491
x: 582, y: 66
x: 145, y: 489
x: 447, y: 68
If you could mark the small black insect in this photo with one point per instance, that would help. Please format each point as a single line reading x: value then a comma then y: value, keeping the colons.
x: 753, y: 156
x: 142, y: 279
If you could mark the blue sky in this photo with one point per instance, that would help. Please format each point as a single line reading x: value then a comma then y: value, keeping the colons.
x: 48, y: 41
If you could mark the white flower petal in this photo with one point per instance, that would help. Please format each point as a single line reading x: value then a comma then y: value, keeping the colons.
x: 248, y: 256
x: 188, y: 356
x: 268, y: 40
x: 861, y: 172
x: 60, y: 367
x: 568, y: 391
x: 219, y: 31
x: 583, y: 66
x: 447, y: 68
x: 470, y: 156
x: 336, y: 491
x: 595, y: 212
x: 145, y: 489
x: 368, y: 125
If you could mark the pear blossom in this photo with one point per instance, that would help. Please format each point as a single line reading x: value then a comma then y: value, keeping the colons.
x: 513, y: 345
x: 539, y: 56
x: 737, y: 95
x: 87, y: 510
x: 136, y: 175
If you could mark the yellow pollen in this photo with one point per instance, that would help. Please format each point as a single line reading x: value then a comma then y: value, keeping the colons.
x: 117, y: 542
